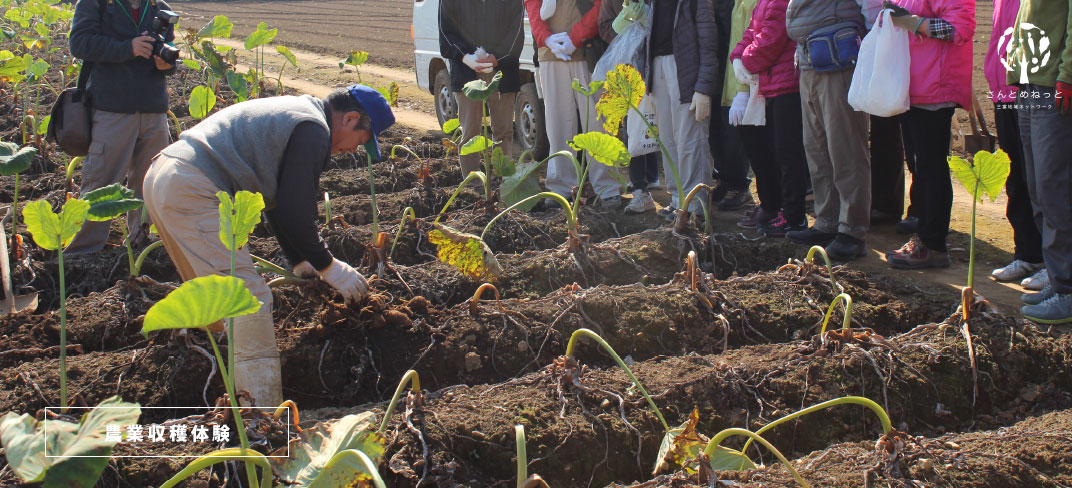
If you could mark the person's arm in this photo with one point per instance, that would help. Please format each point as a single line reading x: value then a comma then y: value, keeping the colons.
x: 707, y: 32
x: 451, y: 43
x: 88, y: 41
x: 746, y: 40
x: 608, y: 11
x: 587, y: 27
x: 769, y: 40
x: 1064, y: 70
x: 540, y: 28
x: 294, y: 217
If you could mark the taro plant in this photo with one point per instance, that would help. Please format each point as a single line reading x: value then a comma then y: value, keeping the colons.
x: 343, y: 452
x: 112, y: 201
x: 377, y: 249
x: 846, y: 320
x: 202, y: 303
x: 480, y: 90
x: 62, y: 453
x: 407, y: 212
x: 523, y: 478
x: 355, y: 59
x: 453, y: 129
x: 986, y: 172
x: 424, y: 174
x: 15, y: 160
x: 255, y: 42
x: 54, y: 232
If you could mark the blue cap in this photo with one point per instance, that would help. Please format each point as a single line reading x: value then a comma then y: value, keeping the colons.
x: 379, y: 113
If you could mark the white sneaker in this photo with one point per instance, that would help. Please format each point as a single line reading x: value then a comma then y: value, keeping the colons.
x: 642, y: 202
x: 1016, y: 270
x: 656, y: 185
x: 1036, y: 281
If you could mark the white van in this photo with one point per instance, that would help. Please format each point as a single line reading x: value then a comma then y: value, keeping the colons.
x: 433, y: 75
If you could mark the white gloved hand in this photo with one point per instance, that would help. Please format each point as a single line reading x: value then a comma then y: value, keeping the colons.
x: 744, y: 76
x: 470, y: 60
x: 737, y: 108
x: 547, y: 9
x: 557, y: 44
x: 346, y: 280
x: 560, y: 55
x: 567, y: 45
x: 305, y: 270
x: 702, y: 105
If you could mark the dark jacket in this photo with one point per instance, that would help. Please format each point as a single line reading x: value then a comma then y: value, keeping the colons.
x: 119, y: 81
x: 695, y: 44
x: 495, y: 25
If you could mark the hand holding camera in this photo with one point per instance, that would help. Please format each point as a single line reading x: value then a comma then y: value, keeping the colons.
x: 154, y: 43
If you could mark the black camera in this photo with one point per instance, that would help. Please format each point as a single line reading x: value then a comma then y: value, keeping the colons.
x: 164, y: 25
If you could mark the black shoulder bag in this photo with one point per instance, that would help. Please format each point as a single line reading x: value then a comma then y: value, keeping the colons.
x: 71, y: 123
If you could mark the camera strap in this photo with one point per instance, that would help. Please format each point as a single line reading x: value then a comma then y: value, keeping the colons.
x: 144, y: 11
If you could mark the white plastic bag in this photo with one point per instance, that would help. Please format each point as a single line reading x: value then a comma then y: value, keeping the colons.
x: 883, y: 71
x: 624, y: 49
x: 640, y: 142
x: 756, y: 111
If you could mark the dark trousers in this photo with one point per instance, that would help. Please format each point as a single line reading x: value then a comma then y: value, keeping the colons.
x: 1025, y: 233
x: 776, y: 152
x: 643, y: 170
x: 887, y: 166
x: 731, y: 162
x: 926, y: 136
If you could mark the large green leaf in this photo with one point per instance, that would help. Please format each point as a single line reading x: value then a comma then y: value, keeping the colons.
x: 480, y: 90
x: 109, y: 202
x: 76, y: 453
x: 623, y: 90
x: 200, y: 302
x: 202, y: 99
x: 680, y: 446
x: 605, y: 148
x: 726, y: 459
x: 501, y: 164
x: 287, y: 54
x: 311, y: 453
x: 263, y: 35
x: 238, y: 85
x: 356, y: 58
x: 49, y: 230
x: 521, y: 185
x: 466, y: 252
x: 12, y: 69
x: 14, y: 160
x: 220, y: 26
x: 451, y: 125
x: 475, y: 145
x: 37, y: 68
x: 239, y: 217
x: 988, y: 170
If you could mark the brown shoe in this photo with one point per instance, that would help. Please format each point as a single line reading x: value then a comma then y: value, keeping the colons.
x: 915, y: 255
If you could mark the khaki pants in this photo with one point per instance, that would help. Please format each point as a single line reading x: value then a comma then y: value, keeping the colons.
x: 471, y: 116
x: 182, y: 203
x: 122, y: 150
x: 835, y: 140
x: 561, y: 105
x: 685, y: 138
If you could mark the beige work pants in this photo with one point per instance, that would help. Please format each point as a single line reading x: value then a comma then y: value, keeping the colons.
x: 561, y: 104
x: 835, y: 140
x: 122, y: 149
x: 182, y: 202
x: 685, y: 138
x: 471, y: 117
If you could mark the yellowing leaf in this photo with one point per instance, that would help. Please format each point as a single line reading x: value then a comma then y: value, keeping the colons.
x: 624, y: 89
x: 466, y: 252
x: 50, y: 230
x: 239, y: 217
x: 988, y: 170
x: 680, y: 446
x: 451, y: 125
x: 605, y: 148
x: 356, y: 58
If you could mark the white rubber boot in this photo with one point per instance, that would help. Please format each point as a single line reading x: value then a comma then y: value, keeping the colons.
x: 257, y: 368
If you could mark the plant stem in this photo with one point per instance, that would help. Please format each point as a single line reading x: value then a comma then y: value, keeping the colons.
x: 372, y: 192
x: 363, y: 461
x: 666, y: 153
x: 522, y: 455
x: 327, y: 209
x: 216, y: 457
x: 271, y: 267
x: 415, y: 386
x: 15, y: 207
x: 883, y: 418
x: 484, y: 153
x: 717, y: 441
x: 408, y: 211
x: 971, y: 249
x: 142, y: 255
x: 63, y: 333
x: 571, y: 218
x: 130, y: 250
x: 847, y: 318
x: 468, y: 178
x: 599, y: 340
x: 228, y: 383
x: 810, y: 258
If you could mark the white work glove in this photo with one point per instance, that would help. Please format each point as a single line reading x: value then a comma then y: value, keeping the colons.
x: 737, y: 108
x: 547, y: 9
x: 744, y: 76
x: 557, y: 44
x: 346, y: 280
x: 567, y: 45
x: 470, y: 60
x: 702, y: 105
x: 305, y: 270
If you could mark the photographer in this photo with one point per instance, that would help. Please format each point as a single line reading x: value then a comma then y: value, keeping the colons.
x: 128, y: 90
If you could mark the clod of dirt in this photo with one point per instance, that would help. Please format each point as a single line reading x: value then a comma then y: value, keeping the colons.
x: 472, y: 361
x: 419, y: 304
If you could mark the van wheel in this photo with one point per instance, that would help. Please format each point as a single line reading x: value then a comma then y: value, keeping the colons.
x: 446, y: 107
x: 528, y: 122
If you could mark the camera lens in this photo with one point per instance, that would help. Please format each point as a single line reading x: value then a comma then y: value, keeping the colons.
x: 166, y: 52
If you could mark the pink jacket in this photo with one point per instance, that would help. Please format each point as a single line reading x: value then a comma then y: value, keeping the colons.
x: 1004, y: 17
x: 767, y: 50
x: 942, y: 70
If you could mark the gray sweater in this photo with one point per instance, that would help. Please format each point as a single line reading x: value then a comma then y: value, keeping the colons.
x: 119, y: 81
x: 242, y: 146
